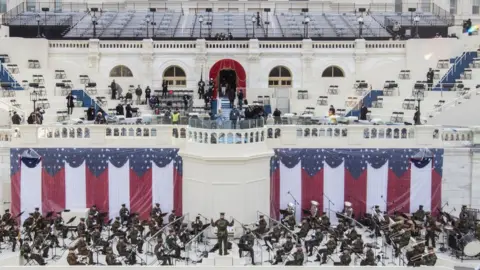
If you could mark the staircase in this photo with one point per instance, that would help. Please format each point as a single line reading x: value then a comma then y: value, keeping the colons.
x: 225, y: 106
x: 458, y: 67
x: 6, y: 77
x: 366, y: 100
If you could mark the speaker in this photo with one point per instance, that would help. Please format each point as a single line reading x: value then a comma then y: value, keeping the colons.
x: 153, y: 10
x: 45, y: 9
x: 266, y: 10
x: 304, y: 10
x: 412, y: 9
x: 94, y: 9
x: 208, y: 10
x: 362, y: 10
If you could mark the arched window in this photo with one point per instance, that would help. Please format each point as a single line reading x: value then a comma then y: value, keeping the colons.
x: 121, y: 71
x: 333, y: 71
x: 280, y: 76
x: 175, y: 76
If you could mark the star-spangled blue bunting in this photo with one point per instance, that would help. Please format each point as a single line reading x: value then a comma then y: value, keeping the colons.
x: 97, y: 159
x: 357, y: 159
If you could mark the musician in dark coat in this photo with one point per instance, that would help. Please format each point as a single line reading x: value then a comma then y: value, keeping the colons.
x: 369, y: 258
x: 261, y: 226
x: 124, y: 214
x: 98, y: 240
x: 172, y: 240
x: 286, y: 248
x: 136, y: 239
x: 317, y: 238
x: 72, y: 258
x: 222, y: 233
x: 431, y: 228
x: 111, y: 259
x: 430, y: 259
x: 159, y: 251
x: 419, y: 214
x: 345, y: 258
x: 297, y: 257
x: 324, y: 252
x: 246, y: 244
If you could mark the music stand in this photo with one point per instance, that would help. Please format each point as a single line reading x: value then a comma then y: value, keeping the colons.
x: 72, y: 231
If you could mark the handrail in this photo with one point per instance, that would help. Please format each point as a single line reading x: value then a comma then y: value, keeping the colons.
x: 198, y: 235
x: 3, y: 69
x: 450, y: 104
x: 166, y: 227
x: 453, y: 68
x: 278, y: 223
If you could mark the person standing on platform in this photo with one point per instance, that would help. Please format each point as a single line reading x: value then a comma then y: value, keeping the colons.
x: 222, y: 233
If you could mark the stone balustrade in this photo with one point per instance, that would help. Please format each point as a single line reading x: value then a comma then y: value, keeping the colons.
x: 274, y: 135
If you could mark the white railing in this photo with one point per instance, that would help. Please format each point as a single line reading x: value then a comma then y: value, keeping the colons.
x: 278, y: 135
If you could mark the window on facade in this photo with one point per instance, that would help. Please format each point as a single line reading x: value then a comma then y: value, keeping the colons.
x: 280, y: 76
x: 31, y: 5
x: 175, y: 76
x: 121, y: 71
x: 333, y: 71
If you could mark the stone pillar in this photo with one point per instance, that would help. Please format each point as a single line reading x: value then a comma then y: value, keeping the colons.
x: 253, y: 77
x: 360, y: 57
x: 147, y: 59
x: 307, y: 58
x: 201, y: 69
x: 94, y: 54
x: 230, y: 178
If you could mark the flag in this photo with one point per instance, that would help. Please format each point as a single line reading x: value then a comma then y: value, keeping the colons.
x: 54, y: 179
x: 394, y: 179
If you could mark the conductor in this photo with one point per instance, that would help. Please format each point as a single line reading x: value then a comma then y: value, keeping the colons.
x: 222, y: 234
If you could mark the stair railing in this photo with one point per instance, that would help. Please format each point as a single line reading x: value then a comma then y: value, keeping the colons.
x: 453, y: 68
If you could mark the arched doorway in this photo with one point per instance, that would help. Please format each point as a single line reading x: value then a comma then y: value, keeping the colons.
x: 230, y: 71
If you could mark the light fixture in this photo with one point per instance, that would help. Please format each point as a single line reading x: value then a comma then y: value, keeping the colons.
x: 147, y: 19
x: 360, y: 20
x: 306, y: 19
x: 254, y: 19
x: 200, y: 19
x: 94, y: 19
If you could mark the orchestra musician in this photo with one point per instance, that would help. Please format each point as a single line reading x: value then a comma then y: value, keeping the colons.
x: 317, y: 238
x: 369, y: 258
x: 222, y: 232
x: 124, y: 252
x: 261, y: 226
x: 156, y: 214
x: 27, y: 253
x: 36, y: 213
x: 419, y: 214
x: 246, y: 244
x: 13, y: 233
x: 304, y: 229
x: 82, y: 229
x: 286, y: 248
x: 414, y: 256
x: 124, y: 214
x: 136, y: 239
x: 154, y: 228
x: 28, y: 225
x: 93, y: 211
x: 40, y: 245
x: 431, y: 228
x: 345, y: 258
x: 324, y: 252
x: 297, y: 257
x: 116, y: 225
x: 82, y: 248
x: 111, y: 258
x: 72, y: 258
x: 98, y: 240
x: 197, y: 226
x: 325, y: 221
x: 159, y: 251
x: 172, y: 243
x: 59, y: 225
x: 430, y: 259
x: 288, y: 218
x: 7, y: 217
x: 273, y: 236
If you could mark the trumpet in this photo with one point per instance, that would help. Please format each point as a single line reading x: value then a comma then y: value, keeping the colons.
x: 419, y: 257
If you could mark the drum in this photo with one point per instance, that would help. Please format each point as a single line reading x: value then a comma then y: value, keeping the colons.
x: 471, y: 246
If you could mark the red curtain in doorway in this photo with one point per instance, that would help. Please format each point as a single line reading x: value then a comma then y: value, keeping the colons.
x: 234, y: 65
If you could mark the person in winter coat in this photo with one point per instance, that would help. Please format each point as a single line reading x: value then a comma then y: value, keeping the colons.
x: 91, y: 114
x: 113, y: 86
x: 16, y: 119
x: 240, y: 98
x: 148, y: 92
x: 231, y: 97
x: 164, y: 89
x: 138, y: 93
x: 128, y: 108
x: 234, y: 115
x: 119, y: 110
x: 70, y: 103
